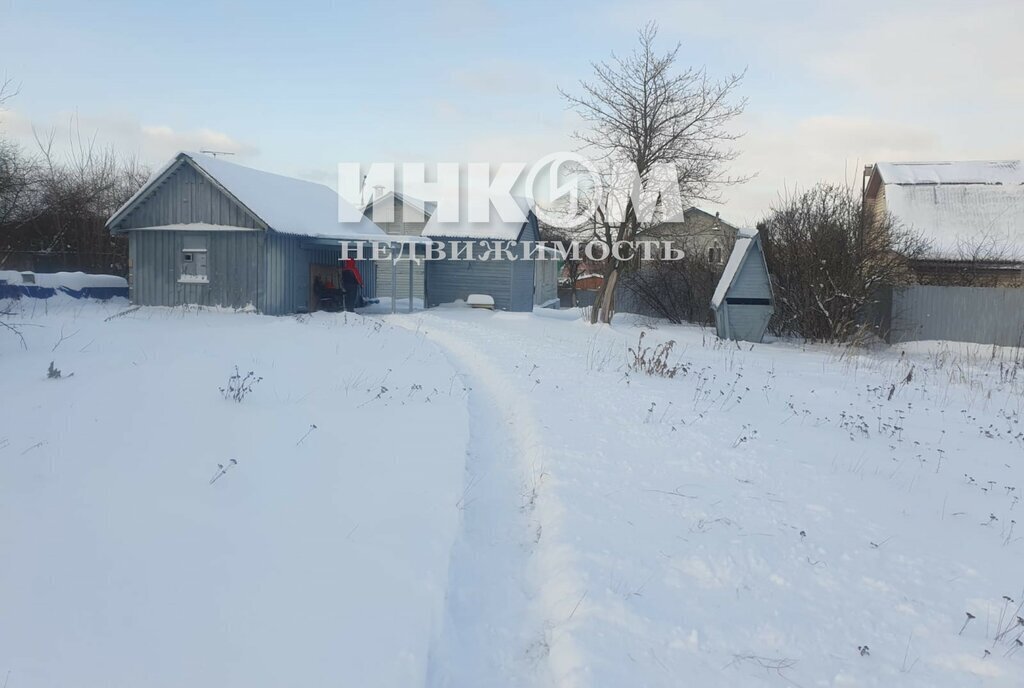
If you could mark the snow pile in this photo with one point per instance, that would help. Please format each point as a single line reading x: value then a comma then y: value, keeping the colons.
x: 320, y: 557
x: 774, y: 515
x: 72, y: 280
x: 460, y: 498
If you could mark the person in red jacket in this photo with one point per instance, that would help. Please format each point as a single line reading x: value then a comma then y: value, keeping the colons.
x: 352, y: 283
x: 350, y: 265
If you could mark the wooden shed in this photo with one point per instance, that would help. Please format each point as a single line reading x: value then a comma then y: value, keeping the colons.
x: 512, y: 283
x: 206, y: 231
x: 743, y: 301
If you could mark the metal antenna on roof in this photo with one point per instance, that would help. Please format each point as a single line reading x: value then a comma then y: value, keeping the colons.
x: 215, y: 153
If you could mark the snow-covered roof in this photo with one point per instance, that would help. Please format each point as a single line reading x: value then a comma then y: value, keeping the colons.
x: 493, y: 229
x: 962, y: 209
x: 745, y: 240
x: 284, y: 204
x: 953, y: 172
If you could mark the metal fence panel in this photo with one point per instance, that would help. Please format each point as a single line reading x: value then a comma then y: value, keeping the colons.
x: 986, y: 315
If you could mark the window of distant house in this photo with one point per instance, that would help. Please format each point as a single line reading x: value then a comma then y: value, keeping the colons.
x: 715, y: 254
x: 193, y: 260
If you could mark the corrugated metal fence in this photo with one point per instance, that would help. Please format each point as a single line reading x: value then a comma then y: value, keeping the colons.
x: 986, y: 315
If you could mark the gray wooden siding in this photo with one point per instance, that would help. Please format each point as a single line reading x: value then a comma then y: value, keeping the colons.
x: 986, y: 315
x: 509, y: 282
x: 402, y: 276
x: 752, y: 279
x: 523, y: 275
x: 399, y: 227
x: 186, y: 196
x: 449, y: 280
x: 234, y: 257
x: 746, y: 322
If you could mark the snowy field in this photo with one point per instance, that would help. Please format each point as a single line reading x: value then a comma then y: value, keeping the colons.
x: 494, y: 499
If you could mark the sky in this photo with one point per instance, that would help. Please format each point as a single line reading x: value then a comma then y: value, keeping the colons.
x: 298, y: 87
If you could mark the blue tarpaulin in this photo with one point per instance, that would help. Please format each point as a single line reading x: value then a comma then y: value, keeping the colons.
x: 14, y: 285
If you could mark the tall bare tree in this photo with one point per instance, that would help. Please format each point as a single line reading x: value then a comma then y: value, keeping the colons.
x: 646, y: 115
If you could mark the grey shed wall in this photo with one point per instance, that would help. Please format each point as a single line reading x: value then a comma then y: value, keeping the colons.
x: 509, y: 282
x: 746, y: 322
x: 186, y: 196
x: 234, y: 269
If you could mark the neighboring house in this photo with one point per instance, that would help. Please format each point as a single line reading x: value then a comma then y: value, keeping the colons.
x: 970, y: 213
x: 206, y: 231
x: 591, y: 281
x: 512, y: 283
x: 697, y: 232
x: 390, y: 209
x: 743, y: 300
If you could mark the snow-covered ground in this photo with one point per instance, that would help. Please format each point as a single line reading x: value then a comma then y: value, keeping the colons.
x: 495, y: 499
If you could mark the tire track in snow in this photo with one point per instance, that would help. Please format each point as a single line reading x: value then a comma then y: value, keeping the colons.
x: 504, y: 580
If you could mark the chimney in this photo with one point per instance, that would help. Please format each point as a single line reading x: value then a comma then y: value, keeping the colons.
x: 378, y: 192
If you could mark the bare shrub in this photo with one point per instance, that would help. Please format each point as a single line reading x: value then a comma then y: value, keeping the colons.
x: 654, y: 360
x: 677, y: 290
x: 828, y: 257
x: 239, y: 386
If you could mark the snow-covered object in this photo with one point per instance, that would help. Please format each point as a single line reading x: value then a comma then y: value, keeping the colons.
x: 742, y: 300
x: 71, y: 280
x: 495, y: 229
x: 480, y: 301
x: 959, y: 207
x: 744, y: 237
x: 285, y: 204
x: 41, y: 285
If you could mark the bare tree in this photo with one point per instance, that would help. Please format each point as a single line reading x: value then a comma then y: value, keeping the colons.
x: 56, y: 204
x: 646, y: 115
x: 828, y: 257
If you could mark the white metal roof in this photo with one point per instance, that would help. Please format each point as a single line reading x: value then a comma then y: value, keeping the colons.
x: 285, y: 204
x: 953, y: 172
x: 963, y: 209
